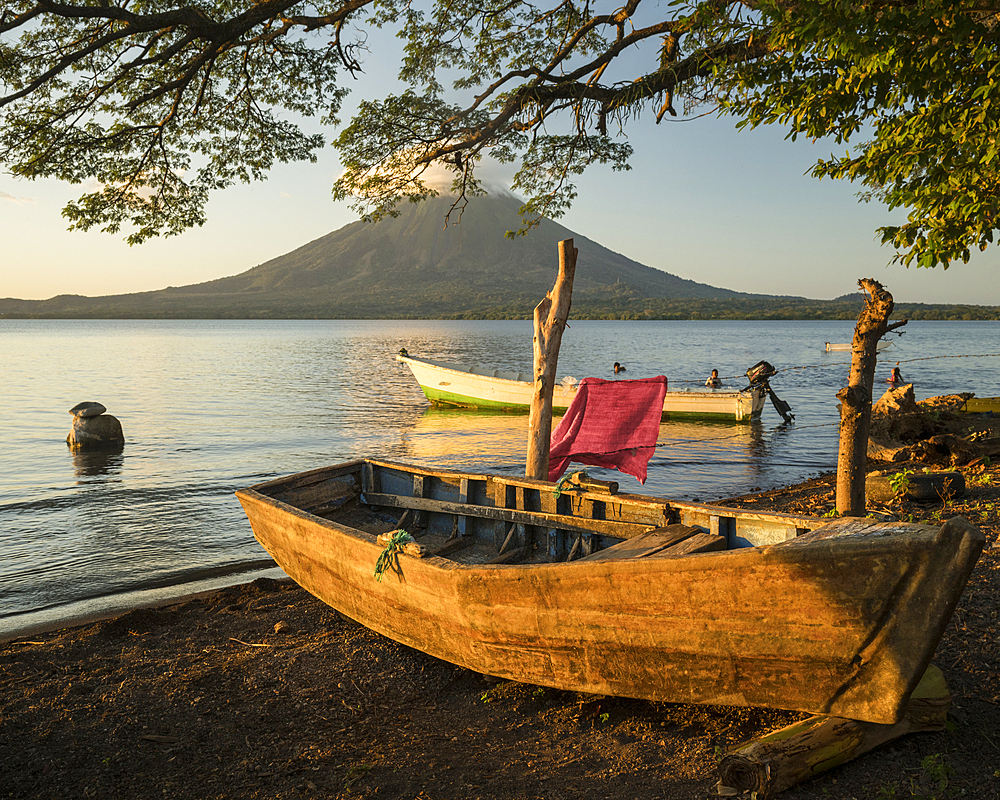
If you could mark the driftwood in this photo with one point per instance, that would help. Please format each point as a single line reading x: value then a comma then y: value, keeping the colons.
x: 791, y: 755
x: 897, y: 415
x: 920, y: 487
x: 550, y: 319
x: 904, y: 429
x: 943, y: 449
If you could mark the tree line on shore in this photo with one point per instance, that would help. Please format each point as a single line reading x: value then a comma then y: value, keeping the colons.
x: 520, y: 308
x: 783, y: 309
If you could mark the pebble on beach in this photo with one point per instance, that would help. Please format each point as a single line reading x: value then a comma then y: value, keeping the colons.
x: 93, y: 429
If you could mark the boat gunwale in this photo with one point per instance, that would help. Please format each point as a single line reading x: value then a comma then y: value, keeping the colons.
x: 836, y: 548
x: 641, y: 500
x: 722, y: 394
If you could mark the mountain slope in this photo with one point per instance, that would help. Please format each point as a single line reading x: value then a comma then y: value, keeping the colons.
x: 409, y: 266
x: 417, y: 249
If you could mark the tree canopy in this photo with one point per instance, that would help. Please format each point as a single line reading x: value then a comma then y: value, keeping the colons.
x: 162, y: 102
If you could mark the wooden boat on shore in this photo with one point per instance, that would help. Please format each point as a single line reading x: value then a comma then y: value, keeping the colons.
x: 455, y: 385
x: 586, y: 590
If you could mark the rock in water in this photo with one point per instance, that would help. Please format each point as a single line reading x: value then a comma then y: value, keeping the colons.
x: 93, y: 429
x: 87, y: 409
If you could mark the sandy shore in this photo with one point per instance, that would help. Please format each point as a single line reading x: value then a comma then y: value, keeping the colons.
x: 98, y: 609
x: 261, y: 691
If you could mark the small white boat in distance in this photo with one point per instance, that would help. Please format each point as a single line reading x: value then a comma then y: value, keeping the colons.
x: 455, y: 385
x: 831, y: 346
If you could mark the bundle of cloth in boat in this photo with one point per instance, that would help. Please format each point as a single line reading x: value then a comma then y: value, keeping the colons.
x: 610, y: 424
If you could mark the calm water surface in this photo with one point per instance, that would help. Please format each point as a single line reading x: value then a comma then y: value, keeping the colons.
x: 210, y: 406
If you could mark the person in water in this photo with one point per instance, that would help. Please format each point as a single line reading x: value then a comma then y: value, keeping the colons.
x: 714, y: 380
x: 896, y: 377
x: 619, y: 368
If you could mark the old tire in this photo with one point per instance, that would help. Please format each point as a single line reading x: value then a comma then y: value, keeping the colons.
x: 924, y: 487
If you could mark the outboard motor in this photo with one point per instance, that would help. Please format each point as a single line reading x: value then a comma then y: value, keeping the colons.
x: 759, y: 375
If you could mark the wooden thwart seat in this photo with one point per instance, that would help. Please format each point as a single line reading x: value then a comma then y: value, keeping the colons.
x: 672, y: 540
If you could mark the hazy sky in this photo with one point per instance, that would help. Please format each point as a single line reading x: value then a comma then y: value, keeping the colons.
x: 703, y: 201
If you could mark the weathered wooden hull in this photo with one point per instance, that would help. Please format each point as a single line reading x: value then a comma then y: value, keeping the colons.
x: 461, y: 387
x: 831, y: 621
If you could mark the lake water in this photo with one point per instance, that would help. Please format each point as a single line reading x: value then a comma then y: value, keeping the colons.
x: 210, y: 406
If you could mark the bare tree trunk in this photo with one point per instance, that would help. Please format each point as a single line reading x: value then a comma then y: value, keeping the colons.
x: 856, y: 399
x: 550, y: 320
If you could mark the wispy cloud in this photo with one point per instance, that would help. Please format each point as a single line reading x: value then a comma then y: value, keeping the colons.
x: 12, y: 199
x: 494, y: 177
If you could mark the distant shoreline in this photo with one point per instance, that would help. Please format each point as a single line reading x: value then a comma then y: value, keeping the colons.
x: 773, y: 309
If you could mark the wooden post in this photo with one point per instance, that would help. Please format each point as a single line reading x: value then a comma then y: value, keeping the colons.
x: 550, y: 320
x: 856, y: 398
x: 791, y: 755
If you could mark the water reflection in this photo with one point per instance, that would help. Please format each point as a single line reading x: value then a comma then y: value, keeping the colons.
x: 687, y: 454
x: 97, y: 463
x: 467, y: 439
x: 294, y: 395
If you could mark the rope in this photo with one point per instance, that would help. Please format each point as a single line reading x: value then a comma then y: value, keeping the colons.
x: 566, y: 478
x: 385, y: 559
x: 892, y: 358
x: 681, y: 442
x: 739, y: 435
x: 931, y: 358
x: 828, y: 364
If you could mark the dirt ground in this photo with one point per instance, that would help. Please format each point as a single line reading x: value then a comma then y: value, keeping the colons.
x: 261, y: 691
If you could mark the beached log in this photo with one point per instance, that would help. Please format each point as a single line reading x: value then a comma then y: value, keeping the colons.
x: 550, y: 320
x: 786, y: 757
x: 918, y: 487
x: 888, y: 450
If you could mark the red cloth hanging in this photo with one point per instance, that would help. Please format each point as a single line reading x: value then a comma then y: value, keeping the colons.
x: 610, y: 424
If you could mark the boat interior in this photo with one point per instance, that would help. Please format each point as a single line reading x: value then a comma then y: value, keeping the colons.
x: 496, y: 519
